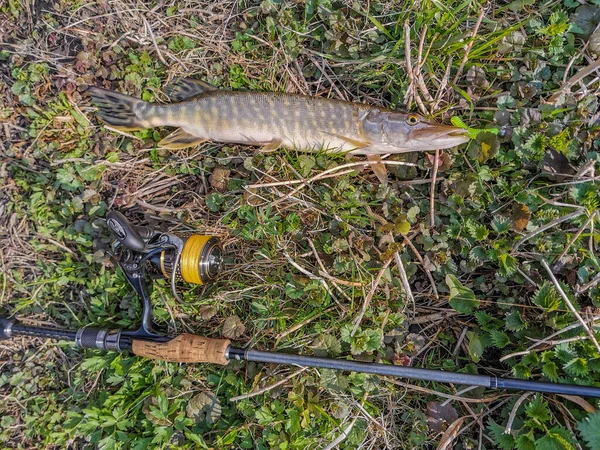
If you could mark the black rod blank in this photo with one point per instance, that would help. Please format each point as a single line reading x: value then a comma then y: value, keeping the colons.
x: 487, y: 381
x: 18, y: 329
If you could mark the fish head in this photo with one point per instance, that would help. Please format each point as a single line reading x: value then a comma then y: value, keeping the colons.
x: 408, y: 132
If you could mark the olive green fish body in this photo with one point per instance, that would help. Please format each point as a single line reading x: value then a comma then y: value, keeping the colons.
x: 299, y: 122
x: 275, y: 119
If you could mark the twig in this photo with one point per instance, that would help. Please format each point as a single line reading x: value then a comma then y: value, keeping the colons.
x: 524, y: 275
x: 342, y: 436
x: 404, y: 279
x: 300, y: 325
x: 149, y: 28
x: 441, y: 394
x: 461, y: 392
x: 290, y: 182
x: 570, y: 305
x: 443, y: 85
x: 459, y: 342
x: 58, y: 244
x: 425, y: 269
x: 412, y: 88
x: 513, y: 413
x: 593, y: 282
x: 547, y: 226
x: 268, y: 388
x: 432, y: 317
x: 574, y: 79
x: 122, y: 133
x: 576, y: 236
x: 323, y: 272
x: 469, y: 45
x: 547, y: 339
x: 370, y: 296
x: 312, y: 277
x: 436, y: 164
x: 325, y: 173
x: 420, y: 62
x: 328, y: 171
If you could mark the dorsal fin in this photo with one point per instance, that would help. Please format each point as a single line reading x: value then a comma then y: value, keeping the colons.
x: 181, y: 89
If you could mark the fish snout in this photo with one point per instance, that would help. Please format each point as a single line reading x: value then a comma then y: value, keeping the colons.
x: 440, y: 136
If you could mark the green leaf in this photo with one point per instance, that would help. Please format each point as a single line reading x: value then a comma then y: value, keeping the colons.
x: 538, y: 409
x: 525, y: 442
x: 547, y: 297
x: 499, y: 338
x: 471, y: 132
x: 462, y: 299
x: 306, y: 164
x: 508, y: 264
x: 514, y: 321
x: 577, y: 367
x: 502, y: 440
x: 214, y: 201
x: 589, y: 428
x: 555, y: 439
x: 550, y: 369
x: 475, y: 346
x: 163, y: 403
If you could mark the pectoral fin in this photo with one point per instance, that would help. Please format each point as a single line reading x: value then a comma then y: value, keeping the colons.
x: 181, y: 89
x: 179, y: 139
x: 357, y: 143
x: 379, y: 169
x: 271, y: 146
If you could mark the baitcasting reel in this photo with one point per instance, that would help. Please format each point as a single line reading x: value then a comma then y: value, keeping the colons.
x: 143, y: 252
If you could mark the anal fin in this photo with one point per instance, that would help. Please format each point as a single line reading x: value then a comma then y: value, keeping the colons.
x: 379, y: 169
x: 179, y: 139
x: 181, y: 89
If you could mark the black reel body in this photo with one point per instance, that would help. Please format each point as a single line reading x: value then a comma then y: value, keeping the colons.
x: 144, y: 253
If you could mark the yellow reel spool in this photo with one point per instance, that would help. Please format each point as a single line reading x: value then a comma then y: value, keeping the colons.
x: 200, y: 260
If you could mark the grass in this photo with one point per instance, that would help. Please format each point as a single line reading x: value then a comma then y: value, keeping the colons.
x: 301, y: 266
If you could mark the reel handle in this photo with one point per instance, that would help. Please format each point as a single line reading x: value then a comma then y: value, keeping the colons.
x: 127, y: 234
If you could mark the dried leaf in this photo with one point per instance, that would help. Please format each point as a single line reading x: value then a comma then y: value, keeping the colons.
x: 520, y: 216
x: 556, y: 165
x: 233, y: 327
x: 450, y: 434
x: 476, y: 76
x: 207, y: 311
x: 594, y: 42
x: 439, y: 416
x: 581, y: 402
x: 204, y: 408
x: 218, y: 178
x: 340, y: 410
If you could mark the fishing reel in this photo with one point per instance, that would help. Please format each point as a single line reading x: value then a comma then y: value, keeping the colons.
x: 144, y: 253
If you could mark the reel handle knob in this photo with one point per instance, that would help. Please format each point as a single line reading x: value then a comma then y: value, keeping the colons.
x: 127, y: 234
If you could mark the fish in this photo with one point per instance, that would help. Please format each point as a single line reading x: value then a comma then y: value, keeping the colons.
x: 201, y: 112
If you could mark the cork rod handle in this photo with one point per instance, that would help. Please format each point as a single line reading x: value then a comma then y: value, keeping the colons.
x: 186, y: 348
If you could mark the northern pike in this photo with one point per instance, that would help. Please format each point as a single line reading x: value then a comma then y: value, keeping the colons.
x: 201, y: 112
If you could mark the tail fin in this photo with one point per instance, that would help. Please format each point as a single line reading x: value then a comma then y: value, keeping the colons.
x: 119, y: 110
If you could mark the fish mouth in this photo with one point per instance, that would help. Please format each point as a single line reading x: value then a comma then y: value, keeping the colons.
x: 447, y: 134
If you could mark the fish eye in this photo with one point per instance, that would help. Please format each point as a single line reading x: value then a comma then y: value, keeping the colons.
x: 412, y: 119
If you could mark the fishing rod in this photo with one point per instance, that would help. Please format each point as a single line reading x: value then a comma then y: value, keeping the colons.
x: 144, y: 254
